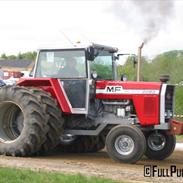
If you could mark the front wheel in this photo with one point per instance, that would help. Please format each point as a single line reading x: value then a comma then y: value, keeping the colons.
x: 160, y: 145
x: 125, y: 143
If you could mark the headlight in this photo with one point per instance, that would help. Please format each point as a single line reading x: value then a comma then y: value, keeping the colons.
x: 168, y: 96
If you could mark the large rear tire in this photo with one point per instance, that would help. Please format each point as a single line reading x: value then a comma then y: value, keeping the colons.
x: 23, y: 122
x: 160, y: 145
x: 55, y: 120
x: 99, y: 142
x: 125, y: 144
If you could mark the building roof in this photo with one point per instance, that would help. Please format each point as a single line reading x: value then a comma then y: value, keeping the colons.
x: 16, y: 63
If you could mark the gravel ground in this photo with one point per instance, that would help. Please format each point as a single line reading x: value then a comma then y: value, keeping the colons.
x: 97, y: 164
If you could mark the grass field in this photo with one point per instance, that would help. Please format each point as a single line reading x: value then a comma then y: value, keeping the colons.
x: 10, y: 175
x: 179, y: 138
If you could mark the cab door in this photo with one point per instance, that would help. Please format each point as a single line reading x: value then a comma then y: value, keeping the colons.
x: 76, y: 91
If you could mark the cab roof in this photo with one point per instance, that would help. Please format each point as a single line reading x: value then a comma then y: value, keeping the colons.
x: 93, y: 45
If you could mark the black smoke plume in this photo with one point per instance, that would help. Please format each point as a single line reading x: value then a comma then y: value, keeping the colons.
x: 145, y: 17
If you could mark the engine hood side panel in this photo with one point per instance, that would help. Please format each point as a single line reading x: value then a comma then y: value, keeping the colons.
x: 145, y: 97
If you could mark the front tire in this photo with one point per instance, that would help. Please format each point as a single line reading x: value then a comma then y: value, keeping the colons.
x: 125, y: 144
x: 160, y: 145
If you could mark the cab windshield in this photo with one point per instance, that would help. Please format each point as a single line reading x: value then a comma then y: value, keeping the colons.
x: 61, y: 64
x: 103, y: 65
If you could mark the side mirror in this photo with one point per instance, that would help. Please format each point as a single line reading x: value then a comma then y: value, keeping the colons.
x: 92, y: 53
x: 133, y: 57
x: 118, y: 56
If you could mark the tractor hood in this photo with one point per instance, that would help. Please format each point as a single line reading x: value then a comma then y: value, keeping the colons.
x: 106, y: 88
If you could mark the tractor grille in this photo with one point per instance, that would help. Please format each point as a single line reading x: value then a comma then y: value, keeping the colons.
x: 149, y: 106
x: 169, y: 102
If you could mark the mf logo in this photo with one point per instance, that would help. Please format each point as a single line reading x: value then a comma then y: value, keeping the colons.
x: 114, y: 89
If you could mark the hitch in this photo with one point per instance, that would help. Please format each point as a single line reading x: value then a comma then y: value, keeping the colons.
x: 176, y: 127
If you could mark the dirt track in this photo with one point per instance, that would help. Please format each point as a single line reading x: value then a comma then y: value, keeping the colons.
x: 97, y: 164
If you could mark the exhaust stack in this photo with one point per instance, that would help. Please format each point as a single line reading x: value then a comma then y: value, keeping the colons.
x: 139, y: 60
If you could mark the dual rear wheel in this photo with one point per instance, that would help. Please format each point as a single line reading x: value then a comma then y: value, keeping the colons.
x: 30, y: 121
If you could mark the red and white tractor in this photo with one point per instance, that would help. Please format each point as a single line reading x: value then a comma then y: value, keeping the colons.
x: 75, y: 100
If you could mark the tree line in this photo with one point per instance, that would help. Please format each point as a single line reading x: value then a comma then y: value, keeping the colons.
x: 170, y: 63
x: 20, y: 56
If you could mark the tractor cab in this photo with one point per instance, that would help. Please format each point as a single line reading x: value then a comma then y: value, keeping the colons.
x: 75, y: 68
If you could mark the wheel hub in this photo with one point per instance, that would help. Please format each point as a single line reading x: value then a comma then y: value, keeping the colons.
x: 17, y: 124
x: 124, y: 144
x: 11, y: 122
x: 156, y: 141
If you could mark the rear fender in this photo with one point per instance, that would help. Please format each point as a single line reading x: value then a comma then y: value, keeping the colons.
x: 52, y: 86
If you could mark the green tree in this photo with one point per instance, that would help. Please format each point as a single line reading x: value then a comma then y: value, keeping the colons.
x: 29, y: 55
x: 3, y: 56
x: 20, y: 56
x: 11, y: 57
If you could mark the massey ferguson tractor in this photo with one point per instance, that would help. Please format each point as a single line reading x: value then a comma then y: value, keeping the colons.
x: 74, y: 101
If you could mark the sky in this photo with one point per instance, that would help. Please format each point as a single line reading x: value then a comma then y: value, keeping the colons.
x: 29, y: 25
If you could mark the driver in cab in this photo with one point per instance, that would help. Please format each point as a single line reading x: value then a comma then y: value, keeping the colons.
x: 70, y: 68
